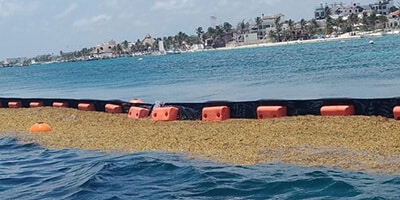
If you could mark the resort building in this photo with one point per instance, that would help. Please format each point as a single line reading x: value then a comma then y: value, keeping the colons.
x: 148, y: 41
x: 355, y: 8
x: 319, y: 12
x: 250, y: 38
x: 393, y: 19
x: 105, y: 50
x: 382, y: 7
x: 265, y: 25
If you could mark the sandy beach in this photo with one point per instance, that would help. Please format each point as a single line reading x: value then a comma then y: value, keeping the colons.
x: 361, y: 143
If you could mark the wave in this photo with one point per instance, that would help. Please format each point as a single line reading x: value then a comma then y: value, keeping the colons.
x: 28, y: 171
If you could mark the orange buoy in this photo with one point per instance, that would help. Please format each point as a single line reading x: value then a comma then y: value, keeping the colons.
x: 135, y: 101
x: 215, y: 113
x: 264, y: 112
x: 40, y: 127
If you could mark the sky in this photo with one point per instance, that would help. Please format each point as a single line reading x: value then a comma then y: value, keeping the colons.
x: 35, y: 27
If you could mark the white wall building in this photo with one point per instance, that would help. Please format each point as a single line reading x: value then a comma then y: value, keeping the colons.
x: 267, y: 24
x: 382, y: 7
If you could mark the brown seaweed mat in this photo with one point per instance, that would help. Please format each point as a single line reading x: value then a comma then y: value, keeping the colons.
x: 362, y: 143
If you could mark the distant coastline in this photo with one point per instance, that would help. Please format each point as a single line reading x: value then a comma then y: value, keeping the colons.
x: 347, y: 36
x: 335, y: 21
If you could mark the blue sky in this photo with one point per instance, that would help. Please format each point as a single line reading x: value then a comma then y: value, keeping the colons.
x: 33, y: 27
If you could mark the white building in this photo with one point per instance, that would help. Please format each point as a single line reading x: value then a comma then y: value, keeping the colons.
x: 354, y: 8
x: 250, y: 38
x: 267, y: 24
x: 394, y: 19
x: 382, y: 7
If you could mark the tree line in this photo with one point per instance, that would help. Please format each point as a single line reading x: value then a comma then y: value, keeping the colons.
x: 286, y: 30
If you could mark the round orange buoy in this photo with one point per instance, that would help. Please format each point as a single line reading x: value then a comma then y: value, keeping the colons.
x: 40, y: 127
x: 135, y: 101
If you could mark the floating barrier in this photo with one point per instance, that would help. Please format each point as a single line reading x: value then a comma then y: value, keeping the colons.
x: 216, y: 113
x: 169, y: 113
x: 86, y: 106
x: 60, y: 104
x: 396, y: 112
x: 14, y: 104
x: 337, y: 110
x: 264, y: 112
x: 40, y: 127
x: 112, y: 108
x: 238, y: 110
x: 138, y: 112
x: 35, y: 104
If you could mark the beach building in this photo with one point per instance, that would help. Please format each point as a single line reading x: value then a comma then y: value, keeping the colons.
x: 393, y: 19
x: 148, y: 41
x: 250, y: 38
x: 265, y: 25
x: 344, y: 11
x: 105, y: 50
x: 382, y: 7
x: 319, y: 12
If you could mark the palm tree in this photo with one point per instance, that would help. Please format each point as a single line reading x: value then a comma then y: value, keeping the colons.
x: 199, y: 32
x: 328, y: 20
x: 313, y: 27
x: 271, y: 34
x: 118, y: 49
x: 242, y: 27
x: 302, y: 27
x: 259, y: 25
x: 210, y: 33
x: 219, y: 31
x: 382, y: 21
x: 352, y: 20
x: 340, y: 23
x: 278, y: 27
x: 227, y: 27
x: 371, y: 21
x: 291, y: 29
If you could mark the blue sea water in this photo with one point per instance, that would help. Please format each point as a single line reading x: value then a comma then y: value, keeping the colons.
x: 350, y: 68
x: 28, y: 171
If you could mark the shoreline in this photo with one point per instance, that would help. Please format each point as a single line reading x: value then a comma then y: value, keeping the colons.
x: 357, y: 143
x: 343, y: 37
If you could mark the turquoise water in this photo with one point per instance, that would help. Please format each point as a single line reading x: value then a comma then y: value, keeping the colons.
x: 31, y: 172
x: 352, y: 68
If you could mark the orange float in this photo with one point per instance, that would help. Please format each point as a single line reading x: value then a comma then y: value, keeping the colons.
x: 137, y: 101
x: 112, y: 108
x: 396, y: 112
x: 165, y: 114
x: 35, y: 104
x: 86, y: 106
x: 14, y: 104
x: 60, y: 104
x: 337, y: 110
x: 40, y: 127
x: 264, y: 112
x: 138, y: 112
x: 216, y: 113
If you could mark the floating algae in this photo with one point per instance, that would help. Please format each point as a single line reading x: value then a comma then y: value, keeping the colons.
x: 362, y: 143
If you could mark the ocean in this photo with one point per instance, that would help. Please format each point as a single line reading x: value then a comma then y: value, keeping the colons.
x: 348, y: 68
